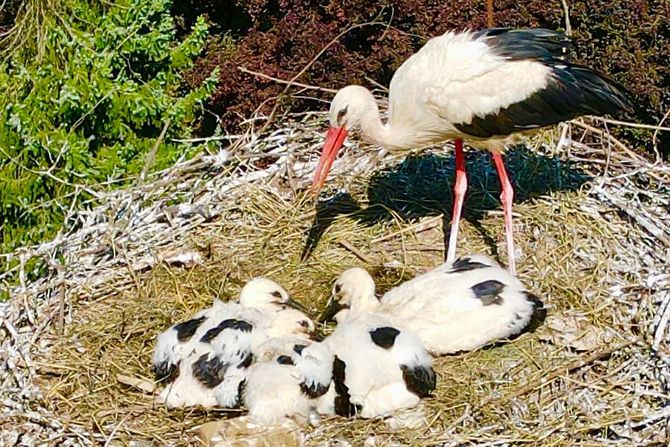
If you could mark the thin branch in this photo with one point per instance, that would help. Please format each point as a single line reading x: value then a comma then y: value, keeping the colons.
x: 152, y: 155
x: 359, y: 254
x: 609, y: 137
x: 558, y: 372
x: 489, y: 14
x: 654, y: 137
x: 310, y: 63
x: 282, y: 81
x: 566, y: 12
x: 657, y: 128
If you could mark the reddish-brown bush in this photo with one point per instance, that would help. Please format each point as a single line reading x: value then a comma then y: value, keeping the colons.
x: 627, y: 39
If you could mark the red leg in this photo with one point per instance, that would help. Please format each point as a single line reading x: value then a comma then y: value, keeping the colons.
x: 506, y: 197
x: 460, y: 187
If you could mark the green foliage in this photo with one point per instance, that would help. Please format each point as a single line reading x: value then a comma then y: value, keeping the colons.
x: 89, y: 107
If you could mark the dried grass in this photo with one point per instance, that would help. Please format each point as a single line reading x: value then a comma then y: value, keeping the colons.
x: 596, y: 382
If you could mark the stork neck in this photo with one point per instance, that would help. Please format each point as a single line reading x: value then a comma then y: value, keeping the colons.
x: 386, y: 135
x: 377, y: 132
x: 365, y: 302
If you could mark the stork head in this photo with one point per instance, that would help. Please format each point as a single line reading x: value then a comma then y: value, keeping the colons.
x: 353, y: 293
x: 263, y: 293
x: 349, y: 107
x: 290, y: 322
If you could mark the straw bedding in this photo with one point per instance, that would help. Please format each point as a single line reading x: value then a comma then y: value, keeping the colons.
x: 592, y: 228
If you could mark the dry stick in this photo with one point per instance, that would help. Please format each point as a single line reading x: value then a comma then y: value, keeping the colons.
x: 152, y: 155
x: 559, y: 371
x: 609, y: 137
x: 645, y: 223
x: 426, y: 222
x: 309, y: 64
x: 136, y: 383
x: 281, y: 81
x: 663, y: 413
x: 360, y: 255
x: 566, y: 11
x: 657, y: 128
x: 655, y: 137
x: 664, y: 308
x: 489, y: 13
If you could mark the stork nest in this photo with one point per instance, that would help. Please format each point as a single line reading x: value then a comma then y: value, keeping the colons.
x: 592, y: 228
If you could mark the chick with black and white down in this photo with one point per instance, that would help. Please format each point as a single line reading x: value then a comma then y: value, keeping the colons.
x: 294, y: 384
x: 259, y: 294
x: 214, y: 374
x: 378, y: 367
x: 204, y: 359
x: 459, y: 306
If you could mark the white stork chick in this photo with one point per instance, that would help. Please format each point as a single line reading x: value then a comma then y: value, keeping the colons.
x: 289, y: 386
x: 378, y: 367
x: 205, y: 358
x: 215, y: 372
x: 459, y: 306
x: 173, y: 345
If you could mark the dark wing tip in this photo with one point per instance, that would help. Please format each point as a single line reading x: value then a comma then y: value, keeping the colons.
x: 465, y: 264
x: 384, y: 337
x: 488, y: 292
x: 230, y: 323
x: 246, y: 361
x: 343, y: 405
x: 419, y: 380
x: 526, y: 43
x: 166, y: 372
x: 209, y: 371
x: 593, y: 92
x: 285, y: 360
x: 539, y: 312
x: 314, y: 390
x: 186, y: 329
x: 298, y: 348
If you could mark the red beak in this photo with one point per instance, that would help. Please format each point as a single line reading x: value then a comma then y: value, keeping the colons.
x: 334, y: 140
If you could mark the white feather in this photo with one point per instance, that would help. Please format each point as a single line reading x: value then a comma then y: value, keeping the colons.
x: 268, y: 317
x: 441, y: 308
x: 273, y: 391
x: 373, y: 374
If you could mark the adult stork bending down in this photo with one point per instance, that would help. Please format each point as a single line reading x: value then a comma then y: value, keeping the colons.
x: 487, y: 87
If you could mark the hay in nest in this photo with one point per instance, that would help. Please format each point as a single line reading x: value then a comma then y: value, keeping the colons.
x: 590, y: 225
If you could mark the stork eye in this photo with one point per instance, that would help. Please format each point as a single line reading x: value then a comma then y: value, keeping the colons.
x: 304, y: 323
x: 338, y: 289
x: 341, y: 114
x: 276, y: 294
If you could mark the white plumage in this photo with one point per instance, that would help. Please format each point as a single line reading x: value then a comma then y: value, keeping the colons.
x: 487, y: 87
x: 205, y: 358
x: 365, y: 368
x: 378, y: 367
x: 459, y: 306
x: 292, y: 385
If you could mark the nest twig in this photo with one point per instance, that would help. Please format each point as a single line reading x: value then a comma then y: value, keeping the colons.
x: 76, y: 343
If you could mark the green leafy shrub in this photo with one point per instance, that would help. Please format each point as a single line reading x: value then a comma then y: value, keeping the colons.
x: 88, y: 106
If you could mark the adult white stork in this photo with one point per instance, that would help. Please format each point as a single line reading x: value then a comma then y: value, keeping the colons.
x: 486, y: 87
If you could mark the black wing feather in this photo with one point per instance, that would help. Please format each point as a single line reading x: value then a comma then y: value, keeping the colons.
x: 384, y: 337
x: 419, y: 380
x: 343, y: 405
x: 488, y: 292
x: 186, y: 329
x: 210, y: 371
x: 572, y: 90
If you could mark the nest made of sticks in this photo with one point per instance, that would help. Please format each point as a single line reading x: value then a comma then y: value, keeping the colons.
x: 592, y: 227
